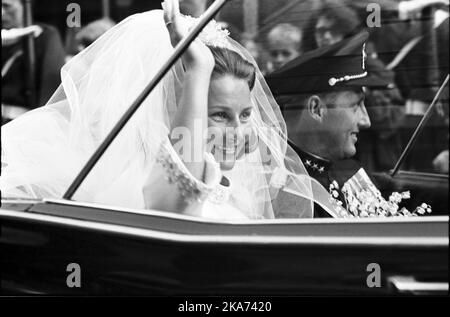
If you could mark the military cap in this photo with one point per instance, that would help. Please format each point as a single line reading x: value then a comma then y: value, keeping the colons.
x: 328, y: 68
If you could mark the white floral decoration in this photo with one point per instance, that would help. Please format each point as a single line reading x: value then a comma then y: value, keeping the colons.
x: 213, y: 34
x: 367, y: 201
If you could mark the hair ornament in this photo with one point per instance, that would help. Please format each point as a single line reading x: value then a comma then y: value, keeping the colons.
x: 213, y: 34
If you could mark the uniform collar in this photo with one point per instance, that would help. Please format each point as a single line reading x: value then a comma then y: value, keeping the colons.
x: 314, y: 164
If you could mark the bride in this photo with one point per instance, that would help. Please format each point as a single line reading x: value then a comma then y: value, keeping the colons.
x: 240, y: 168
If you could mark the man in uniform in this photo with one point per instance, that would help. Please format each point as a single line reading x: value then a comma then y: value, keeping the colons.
x: 322, y: 96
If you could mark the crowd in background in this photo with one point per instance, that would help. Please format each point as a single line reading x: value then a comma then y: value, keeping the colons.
x: 410, y: 48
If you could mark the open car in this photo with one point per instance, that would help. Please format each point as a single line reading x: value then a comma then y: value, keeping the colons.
x: 123, y: 251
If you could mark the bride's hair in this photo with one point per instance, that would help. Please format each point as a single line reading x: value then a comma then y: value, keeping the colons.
x: 228, y: 62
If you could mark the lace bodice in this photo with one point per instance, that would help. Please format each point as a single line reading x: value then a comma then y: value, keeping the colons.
x: 173, y: 181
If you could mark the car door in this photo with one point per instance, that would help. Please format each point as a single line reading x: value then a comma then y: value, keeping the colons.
x: 125, y: 252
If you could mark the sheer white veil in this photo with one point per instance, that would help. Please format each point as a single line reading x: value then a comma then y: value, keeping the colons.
x: 43, y: 150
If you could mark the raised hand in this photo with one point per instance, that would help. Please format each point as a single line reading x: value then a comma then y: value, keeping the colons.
x: 198, y: 56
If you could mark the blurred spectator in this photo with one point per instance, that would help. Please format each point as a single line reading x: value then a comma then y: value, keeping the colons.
x: 91, y: 32
x: 48, y: 56
x: 283, y: 42
x: 331, y: 24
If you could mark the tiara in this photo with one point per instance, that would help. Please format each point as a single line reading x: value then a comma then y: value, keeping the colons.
x: 213, y: 34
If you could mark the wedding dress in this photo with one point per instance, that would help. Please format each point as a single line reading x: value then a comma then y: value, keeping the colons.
x: 44, y: 149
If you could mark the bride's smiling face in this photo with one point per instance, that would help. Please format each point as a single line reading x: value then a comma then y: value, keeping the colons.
x: 229, y: 112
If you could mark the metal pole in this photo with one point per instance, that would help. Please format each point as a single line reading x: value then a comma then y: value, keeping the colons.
x: 106, y: 9
x: 31, y: 57
x: 179, y: 50
x: 419, y: 128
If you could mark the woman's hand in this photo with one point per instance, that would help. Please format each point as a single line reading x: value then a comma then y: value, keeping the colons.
x: 198, y: 56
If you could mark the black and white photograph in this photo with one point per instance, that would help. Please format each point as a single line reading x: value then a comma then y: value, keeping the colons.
x: 224, y: 154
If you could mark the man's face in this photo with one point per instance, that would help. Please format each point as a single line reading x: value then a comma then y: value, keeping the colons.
x: 282, y: 52
x: 345, y: 116
x: 326, y: 32
x: 12, y: 14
